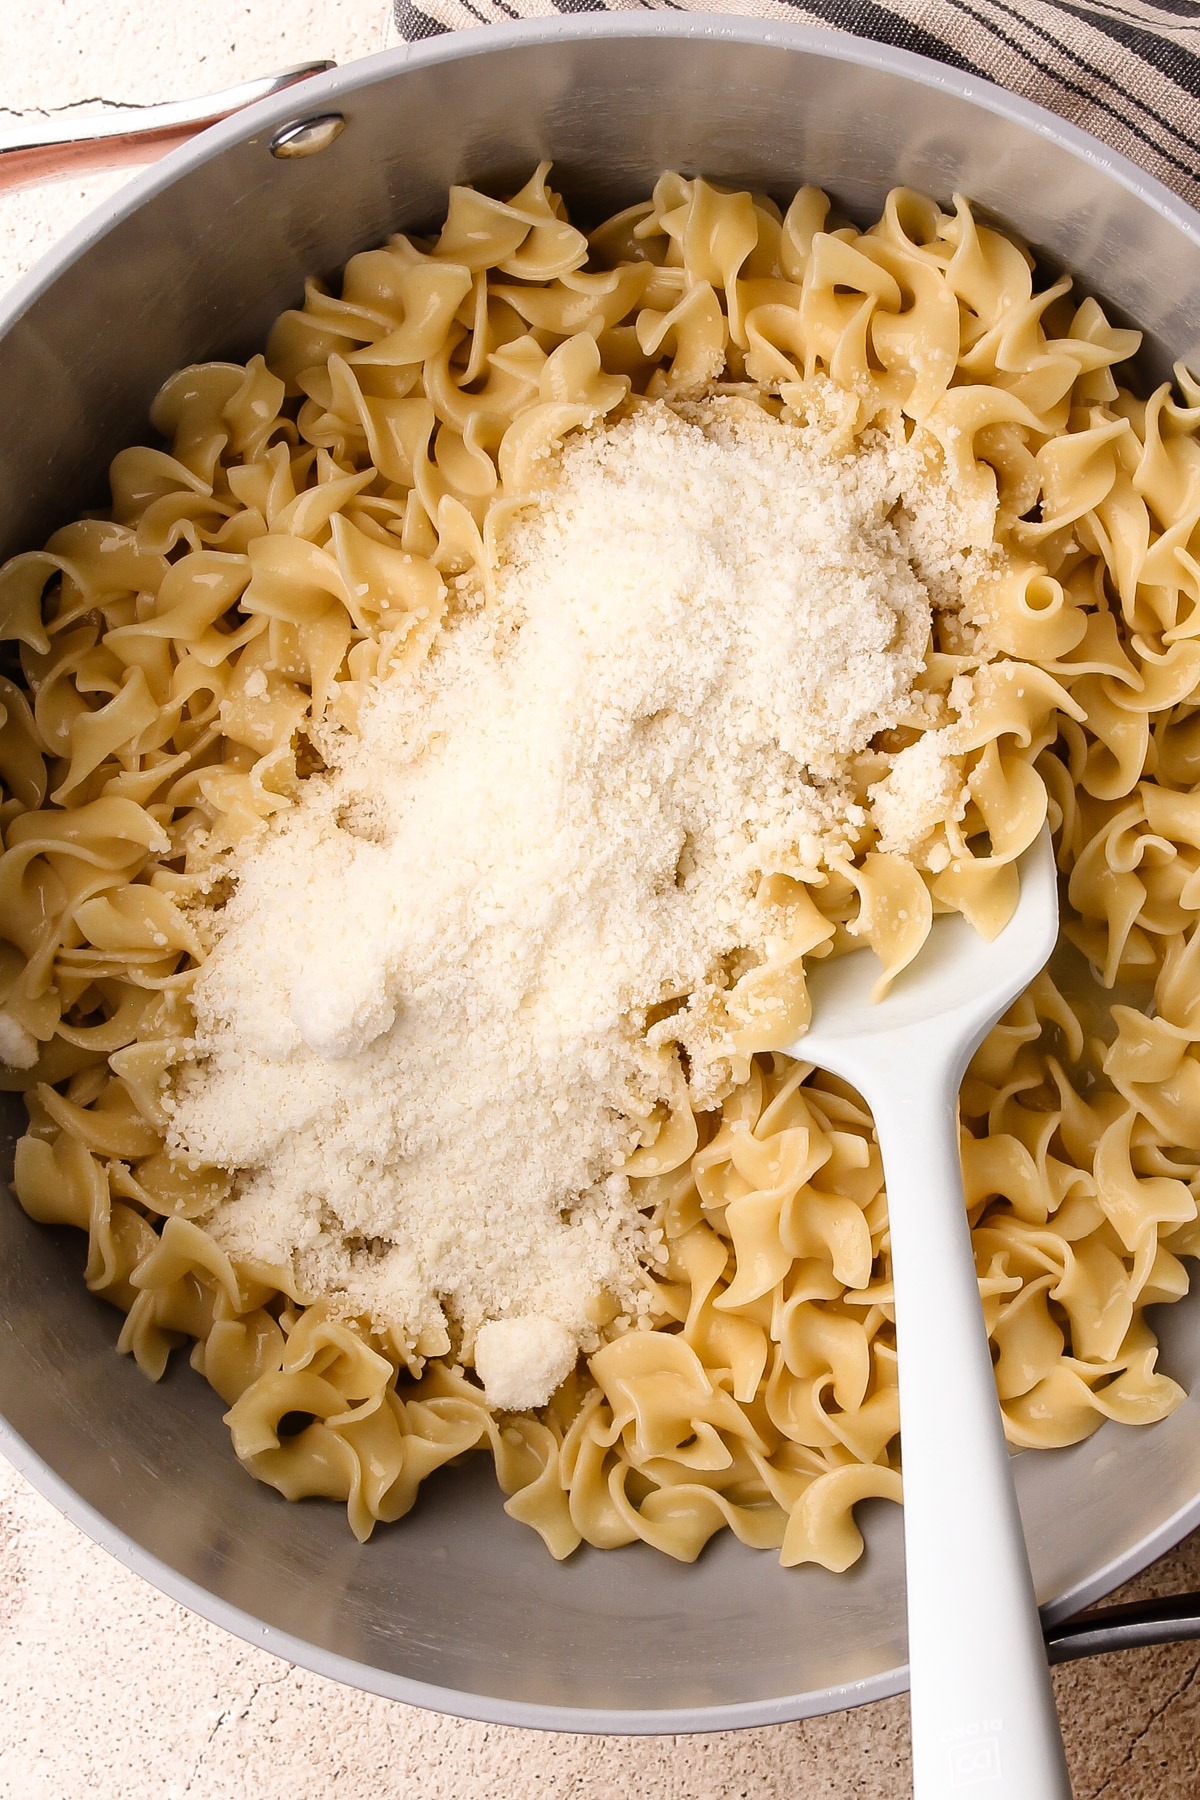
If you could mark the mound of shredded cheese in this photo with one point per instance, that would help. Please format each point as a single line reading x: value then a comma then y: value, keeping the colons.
x: 421, y: 1032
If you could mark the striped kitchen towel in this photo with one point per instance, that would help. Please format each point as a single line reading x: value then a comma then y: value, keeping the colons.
x: 1128, y: 71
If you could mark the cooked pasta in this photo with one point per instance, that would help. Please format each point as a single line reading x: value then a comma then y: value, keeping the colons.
x: 297, y: 539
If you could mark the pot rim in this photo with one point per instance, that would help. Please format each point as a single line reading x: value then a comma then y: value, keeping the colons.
x: 259, y: 122
x: 263, y: 118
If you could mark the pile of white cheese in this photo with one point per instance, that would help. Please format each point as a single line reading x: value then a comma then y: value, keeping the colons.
x: 420, y: 1035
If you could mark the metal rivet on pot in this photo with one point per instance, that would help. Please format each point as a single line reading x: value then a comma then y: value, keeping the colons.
x: 304, y: 137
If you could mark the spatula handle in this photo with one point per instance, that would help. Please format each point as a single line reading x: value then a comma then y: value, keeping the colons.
x: 983, y: 1718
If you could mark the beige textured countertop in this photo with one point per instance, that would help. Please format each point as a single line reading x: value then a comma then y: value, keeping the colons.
x: 110, y: 1690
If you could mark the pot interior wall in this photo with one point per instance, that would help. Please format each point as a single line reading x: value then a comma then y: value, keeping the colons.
x: 202, y: 258
x: 196, y: 265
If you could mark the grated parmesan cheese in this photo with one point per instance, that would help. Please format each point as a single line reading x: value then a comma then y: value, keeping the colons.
x: 923, y: 788
x: 424, y: 1046
x: 18, y: 1046
x: 521, y: 1361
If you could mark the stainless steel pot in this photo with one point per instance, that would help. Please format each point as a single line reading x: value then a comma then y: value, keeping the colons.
x: 459, y: 1608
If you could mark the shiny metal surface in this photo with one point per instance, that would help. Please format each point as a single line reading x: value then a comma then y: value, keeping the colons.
x: 458, y: 1607
x: 72, y: 145
x: 305, y: 137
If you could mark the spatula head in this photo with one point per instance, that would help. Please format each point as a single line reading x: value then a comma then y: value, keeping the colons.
x: 958, y: 980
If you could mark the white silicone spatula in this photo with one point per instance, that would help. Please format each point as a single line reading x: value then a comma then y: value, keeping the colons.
x: 983, y: 1717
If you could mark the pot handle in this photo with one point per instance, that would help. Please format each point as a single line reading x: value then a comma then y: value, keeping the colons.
x: 67, y: 146
x: 1169, y: 1620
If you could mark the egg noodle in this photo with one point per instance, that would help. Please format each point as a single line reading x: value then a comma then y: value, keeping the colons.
x: 298, y: 538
